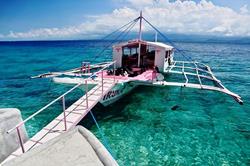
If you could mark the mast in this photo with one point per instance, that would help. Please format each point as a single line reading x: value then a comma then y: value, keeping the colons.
x: 140, y: 26
x: 139, y: 52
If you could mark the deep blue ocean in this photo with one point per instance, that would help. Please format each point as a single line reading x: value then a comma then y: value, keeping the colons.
x: 207, y: 128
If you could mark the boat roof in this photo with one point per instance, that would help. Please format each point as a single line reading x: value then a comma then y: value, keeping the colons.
x: 157, y: 44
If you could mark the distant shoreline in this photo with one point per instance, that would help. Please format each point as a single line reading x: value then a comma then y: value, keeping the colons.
x: 182, y: 38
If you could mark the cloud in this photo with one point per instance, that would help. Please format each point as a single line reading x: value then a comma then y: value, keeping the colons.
x: 186, y: 17
x: 244, y: 9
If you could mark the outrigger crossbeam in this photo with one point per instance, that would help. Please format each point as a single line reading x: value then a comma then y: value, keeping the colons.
x: 203, y: 78
x: 80, y: 71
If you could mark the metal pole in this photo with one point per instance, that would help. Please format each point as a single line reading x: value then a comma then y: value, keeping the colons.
x: 156, y: 36
x: 64, y: 113
x: 89, y: 67
x: 139, y: 53
x: 102, y: 82
x: 140, y: 25
x: 114, y: 71
x: 84, y: 68
x: 86, y: 93
x: 20, y: 139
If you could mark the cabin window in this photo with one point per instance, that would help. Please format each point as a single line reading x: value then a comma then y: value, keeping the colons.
x: 151, y: 49
x: 126, y: 51
x: 130, y: 56
x: 133, y: 51
x: 129, y: 51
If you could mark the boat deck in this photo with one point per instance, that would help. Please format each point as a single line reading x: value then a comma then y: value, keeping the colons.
x: 69, y: 118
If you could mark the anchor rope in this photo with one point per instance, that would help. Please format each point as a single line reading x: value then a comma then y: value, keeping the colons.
x: 102, y: 135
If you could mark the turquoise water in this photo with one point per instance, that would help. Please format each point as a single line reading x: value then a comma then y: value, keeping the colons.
x: 208, y: 128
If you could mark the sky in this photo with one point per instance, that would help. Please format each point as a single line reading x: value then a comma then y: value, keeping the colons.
x: 86, y: 19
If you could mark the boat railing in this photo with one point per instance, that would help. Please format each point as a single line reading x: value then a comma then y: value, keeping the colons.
x: 62, y: 97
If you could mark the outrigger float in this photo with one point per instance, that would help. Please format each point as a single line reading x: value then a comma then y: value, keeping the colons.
x: 135, y: 62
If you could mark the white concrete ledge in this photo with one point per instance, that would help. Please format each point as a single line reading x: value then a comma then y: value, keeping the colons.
x: 75, y: 147
x: 9, y: 118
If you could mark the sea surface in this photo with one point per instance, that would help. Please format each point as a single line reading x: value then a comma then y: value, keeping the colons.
x: 206, y: 128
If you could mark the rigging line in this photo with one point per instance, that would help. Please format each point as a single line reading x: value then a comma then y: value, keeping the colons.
x: 115, y: 40
x: 135, y: 20
x: 168, y: 40
x: 103, y: 38
x: 125, y: 34
x: 131, y: 22
x: 121, y: 37
x: 102, y: 135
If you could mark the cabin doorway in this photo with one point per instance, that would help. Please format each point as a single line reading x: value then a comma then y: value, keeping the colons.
x: 147, y: 57
x: 130, y: 56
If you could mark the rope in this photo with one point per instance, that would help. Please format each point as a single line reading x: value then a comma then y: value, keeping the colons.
x: 87, y: 45
x: 124, y: 34
x: 135, y: 20
x: 70, y: 59
x: 103, y: 135
x: 115, y: 40
x: 169, y: 41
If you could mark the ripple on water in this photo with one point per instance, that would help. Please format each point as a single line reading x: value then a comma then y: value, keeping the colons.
x: 207, y: 128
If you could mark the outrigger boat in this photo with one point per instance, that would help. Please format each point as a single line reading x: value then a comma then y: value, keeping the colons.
x: 140, y: 62
x: 135, y: 63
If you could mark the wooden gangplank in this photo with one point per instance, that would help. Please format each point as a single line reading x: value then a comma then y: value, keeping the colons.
x: 69, y: 118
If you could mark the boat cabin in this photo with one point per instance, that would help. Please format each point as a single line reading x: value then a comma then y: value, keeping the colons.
x: 139, y: 55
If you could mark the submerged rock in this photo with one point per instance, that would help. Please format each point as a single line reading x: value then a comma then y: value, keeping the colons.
x: 174, y: 108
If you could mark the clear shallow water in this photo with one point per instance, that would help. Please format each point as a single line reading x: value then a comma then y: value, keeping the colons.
x: 208, y: 128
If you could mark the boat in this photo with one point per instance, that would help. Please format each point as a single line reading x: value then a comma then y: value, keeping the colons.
x: 135, y: 62
x: 139, y: 62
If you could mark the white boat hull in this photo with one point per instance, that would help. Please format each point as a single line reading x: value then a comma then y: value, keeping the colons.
x: 116, y: 93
